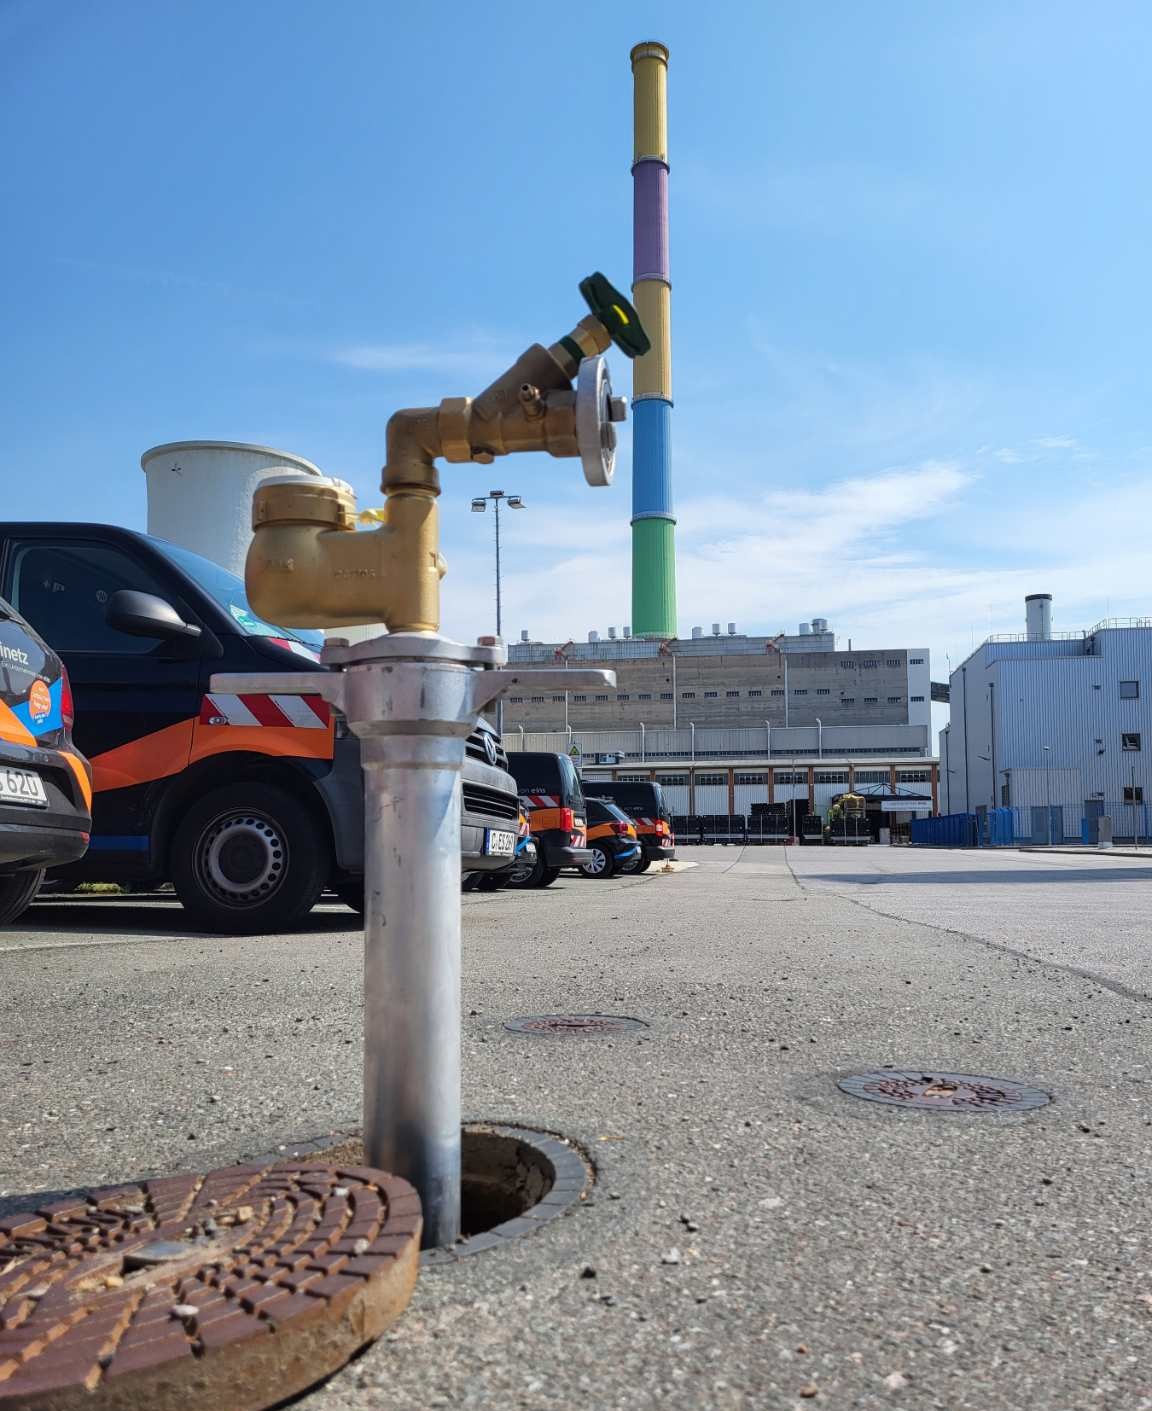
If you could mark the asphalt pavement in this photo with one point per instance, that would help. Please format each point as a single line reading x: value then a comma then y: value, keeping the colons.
x: 756, y: 1239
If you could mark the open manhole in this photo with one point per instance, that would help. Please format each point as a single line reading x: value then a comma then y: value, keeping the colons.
x: 237, y: 1288
x: 944, y: 1092
x: 574, y: 1024
x: 513, y: 1181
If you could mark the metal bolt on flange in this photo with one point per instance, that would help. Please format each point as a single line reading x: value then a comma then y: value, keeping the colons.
x: 943, y: 1092
x: 574, y: 1024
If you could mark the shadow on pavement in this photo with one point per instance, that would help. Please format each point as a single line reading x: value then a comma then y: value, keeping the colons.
x: 132, y: 916
x: 990, y: 878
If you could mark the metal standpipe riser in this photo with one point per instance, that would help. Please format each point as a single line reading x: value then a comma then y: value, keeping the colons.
x: 412, y: 969
x: 412, y: 699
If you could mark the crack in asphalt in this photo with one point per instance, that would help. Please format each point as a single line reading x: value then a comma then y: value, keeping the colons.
x: 1114, y: 986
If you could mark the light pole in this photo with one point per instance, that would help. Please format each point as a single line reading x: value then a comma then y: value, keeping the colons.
x: 692, y: 727
x: 643, y: 743
x: 1048, y: 793
x: 479, y: 505
x: 768, y: 732
x: 819, y: 738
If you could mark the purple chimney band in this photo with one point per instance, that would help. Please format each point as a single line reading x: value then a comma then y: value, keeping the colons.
x: 650, y: 220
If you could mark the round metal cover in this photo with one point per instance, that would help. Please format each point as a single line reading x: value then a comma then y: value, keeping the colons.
x: 573, y: 1024
x: 238, y: 1288
x: 944, y: 1092
x: 595, y: 433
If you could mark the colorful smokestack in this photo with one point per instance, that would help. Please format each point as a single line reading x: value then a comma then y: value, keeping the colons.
x: 653, y: 523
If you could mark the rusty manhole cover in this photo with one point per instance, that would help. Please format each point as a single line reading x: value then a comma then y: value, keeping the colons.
x: 573, y: 1024
x: 235, y: 1289
x: 944, y: 1092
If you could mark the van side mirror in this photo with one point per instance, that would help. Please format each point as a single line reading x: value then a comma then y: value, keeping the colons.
x: 145, y: 615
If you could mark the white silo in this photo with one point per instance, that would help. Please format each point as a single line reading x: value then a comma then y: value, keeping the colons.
x: 200, y: 494
x: 1038, y: 616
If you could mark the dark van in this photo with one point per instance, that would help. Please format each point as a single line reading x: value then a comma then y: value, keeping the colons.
x: 250, y: 805
x: 45, y: 784
x: 645, y: 804
x: 551, y: 796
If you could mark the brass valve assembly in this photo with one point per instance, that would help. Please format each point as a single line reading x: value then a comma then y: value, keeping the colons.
x: 308, y: 566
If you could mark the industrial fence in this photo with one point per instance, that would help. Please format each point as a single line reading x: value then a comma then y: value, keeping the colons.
x: 1038, y: 826
x: 1130, y: 823
x: 995, y: 828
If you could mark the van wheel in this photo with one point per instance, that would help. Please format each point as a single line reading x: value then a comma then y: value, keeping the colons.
x: 249, y: 858
x: 548, y: 875
x: 18, y: 892
x: 642, y: 866
x: 601, y: 864
x: 522, y: 875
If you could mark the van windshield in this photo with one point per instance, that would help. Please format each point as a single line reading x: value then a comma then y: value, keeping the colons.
x: 228, y: 590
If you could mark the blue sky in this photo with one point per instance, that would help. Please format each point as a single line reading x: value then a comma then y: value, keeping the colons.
x: 909, y: 251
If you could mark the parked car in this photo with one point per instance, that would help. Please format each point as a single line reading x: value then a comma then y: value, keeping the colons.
x: 612, y: 841
x: 645, y: 804
x: 551, y: 796
x: 45, y: 783
x: 524, y: 860
x: 250, y: 805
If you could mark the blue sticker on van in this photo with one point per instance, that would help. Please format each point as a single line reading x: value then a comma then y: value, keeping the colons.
x: 31, y: 713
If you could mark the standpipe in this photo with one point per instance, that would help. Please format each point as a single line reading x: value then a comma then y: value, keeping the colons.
x: 413, y: 698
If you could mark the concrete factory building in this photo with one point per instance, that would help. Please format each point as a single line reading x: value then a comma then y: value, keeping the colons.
x: 727, y: 723
x: 1054, y: 724
x: 794, y: 685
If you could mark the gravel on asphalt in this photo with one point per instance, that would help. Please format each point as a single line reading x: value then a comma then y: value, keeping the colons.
x: 759, y: 1239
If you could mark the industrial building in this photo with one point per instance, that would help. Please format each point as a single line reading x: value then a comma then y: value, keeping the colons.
x: 1055, y: 725
x: 728, y: 723
x: 812, y: 698
x: 895, y: 788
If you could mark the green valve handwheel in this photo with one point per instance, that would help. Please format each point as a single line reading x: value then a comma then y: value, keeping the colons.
x: 616, y: 314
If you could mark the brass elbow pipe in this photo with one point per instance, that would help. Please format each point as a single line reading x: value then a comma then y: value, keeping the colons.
x: 529, y: 407
x: 308, y: 567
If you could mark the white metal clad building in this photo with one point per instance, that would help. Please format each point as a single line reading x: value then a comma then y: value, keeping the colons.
x: 1060, y: 718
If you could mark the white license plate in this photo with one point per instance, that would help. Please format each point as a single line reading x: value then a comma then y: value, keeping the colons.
x: 22, y: 786
x: 499, y: 844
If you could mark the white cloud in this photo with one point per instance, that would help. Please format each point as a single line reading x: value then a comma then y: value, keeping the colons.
x: 865, y: 552
x: 480, y: 359
x: 1035, y: 449
x: 763, y: 561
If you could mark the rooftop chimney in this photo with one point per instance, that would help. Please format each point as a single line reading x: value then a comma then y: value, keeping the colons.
x: 805, y: 629
x: 627, y: 633
x: 715, y: 629
x: 1038, y: 616
x: 731, y: 629
x: 593, y: 636
x: 524, y: 635
x: 611, y: 634
x: 697, y: 633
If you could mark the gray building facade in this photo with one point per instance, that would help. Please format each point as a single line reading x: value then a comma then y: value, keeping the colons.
x: 1053, y: 719
x: 729, y: 681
